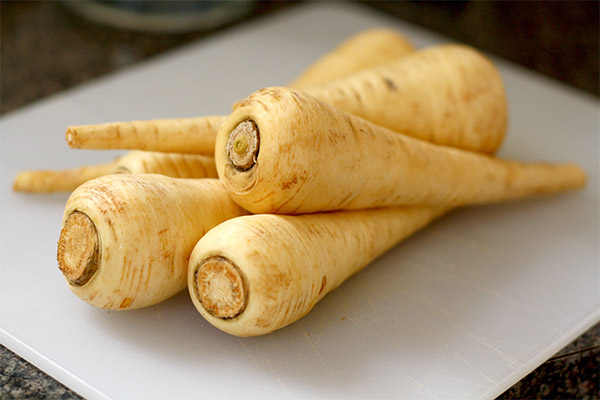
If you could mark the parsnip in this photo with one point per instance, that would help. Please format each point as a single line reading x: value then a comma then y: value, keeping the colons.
x: 139, y: 162
x: 286, y: 152
x: 197, y: 135
x: 126, y: 239
x: 170, y: 164
x: 254, y: 274
x: 64, y: 180
x: 187, y: 135
x: 361, y: 51
x: 450, y: 95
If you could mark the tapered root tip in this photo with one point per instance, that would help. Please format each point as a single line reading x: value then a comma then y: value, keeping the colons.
x: 24, y: 182
x: 243, y: 145
x: 71, y: 136
x: 220, y: 287
x: 78, y: 249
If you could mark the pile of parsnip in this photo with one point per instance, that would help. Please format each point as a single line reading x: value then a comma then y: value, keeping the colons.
x: 263, y: 212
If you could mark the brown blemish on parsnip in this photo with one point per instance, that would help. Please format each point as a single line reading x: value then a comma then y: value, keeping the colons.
x: 275, y: 95
x: 78, y: 249
x: 323, y: 284
x: 110, y: 196
x: 125, y: 303
x: 390, y: 84
x: 243, y: 145
x: 297, y: 100
x: 221, y: 288
x: 288, y: 184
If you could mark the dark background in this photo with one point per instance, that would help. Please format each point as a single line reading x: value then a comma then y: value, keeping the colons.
x: 45, y: 48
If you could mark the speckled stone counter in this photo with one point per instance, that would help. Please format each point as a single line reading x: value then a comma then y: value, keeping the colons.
x: 21, y: 380
x: 36, y: 62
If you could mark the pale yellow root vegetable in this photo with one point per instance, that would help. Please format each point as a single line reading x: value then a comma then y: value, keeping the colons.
x: 139, y: 162
x: 197, y: 135
x: 64, y: 180
x: 286, y: 152
x: 450, y: 95
x: 361, y: 51
x: 254, y: 274
x: 126, y: 239
x: 170, y: 164
x: 187, y: 135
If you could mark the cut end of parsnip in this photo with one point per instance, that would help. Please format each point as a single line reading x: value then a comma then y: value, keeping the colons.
x: 78, y: 249
x: 243, y: 145
x: 71, y: 136
x: 220, y: 287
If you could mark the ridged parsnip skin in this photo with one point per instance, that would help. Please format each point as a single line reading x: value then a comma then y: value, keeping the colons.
x: 313, y: 157
x: 289, y: 263
x: 170, y: 164
x: 450, y: 95
x: 361, y: 51
x: 185, y: 135
x: 147, y: 226
x: 64, y: 180
x: 137, y: 162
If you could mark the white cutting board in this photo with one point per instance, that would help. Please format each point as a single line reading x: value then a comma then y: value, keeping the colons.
x: 462, y: 310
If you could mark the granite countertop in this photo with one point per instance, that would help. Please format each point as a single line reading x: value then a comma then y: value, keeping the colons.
x: 36, y: 62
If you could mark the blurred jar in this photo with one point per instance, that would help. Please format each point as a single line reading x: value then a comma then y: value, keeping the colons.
x: 166, y: 16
